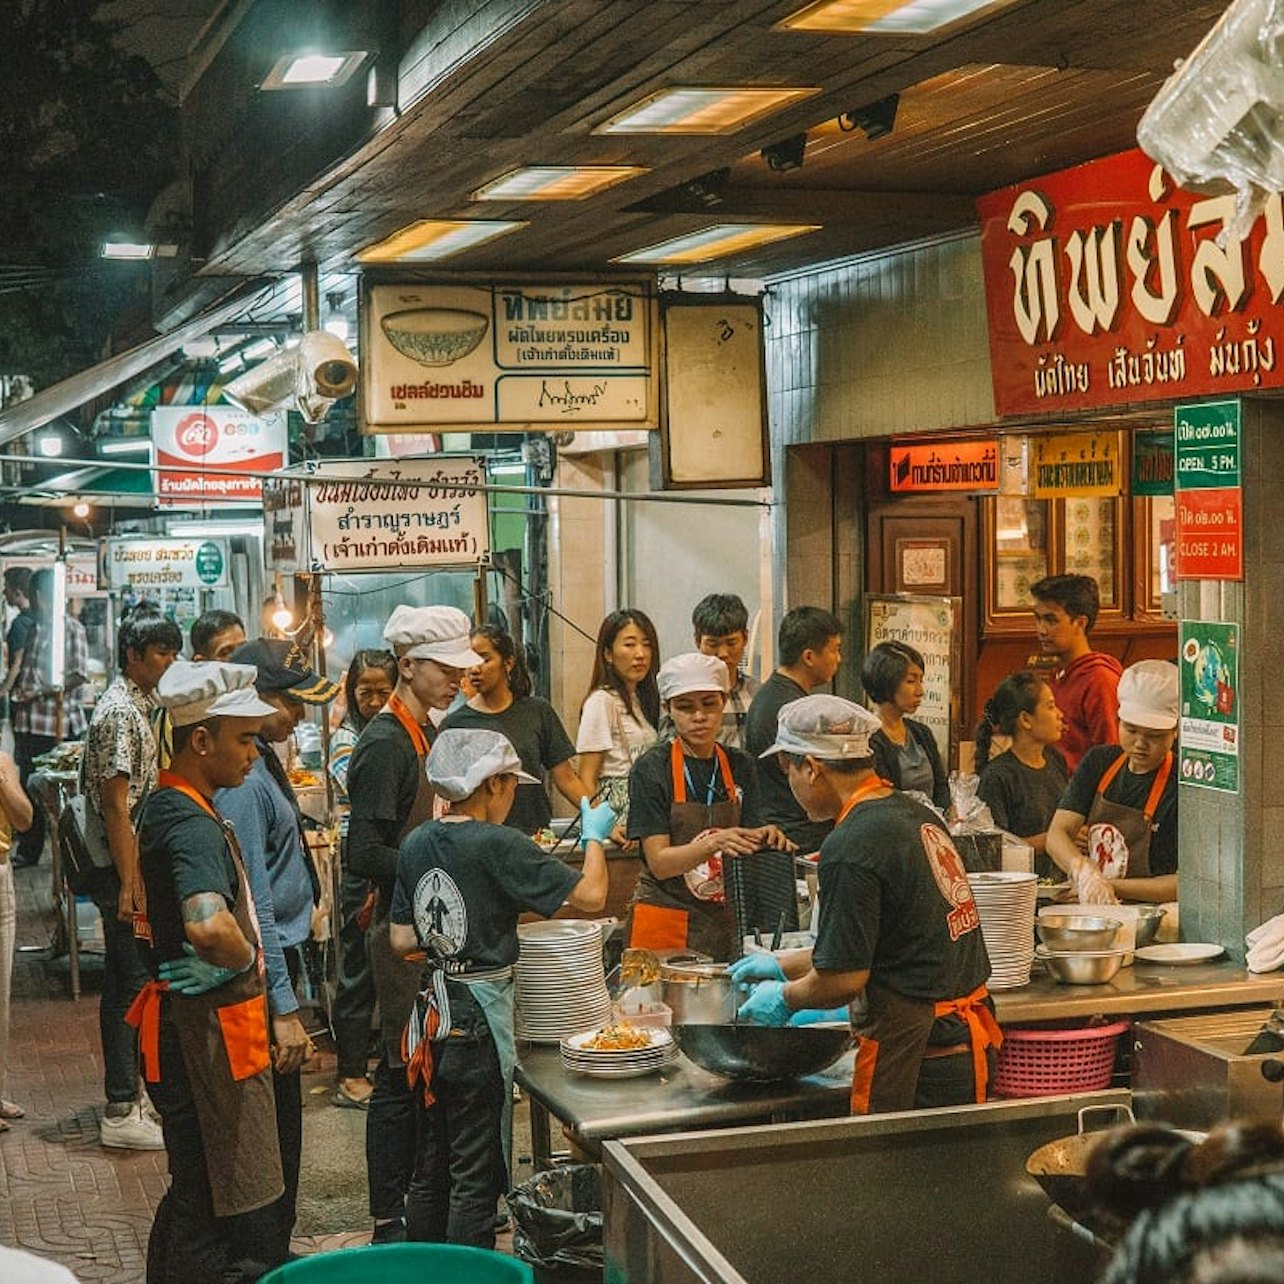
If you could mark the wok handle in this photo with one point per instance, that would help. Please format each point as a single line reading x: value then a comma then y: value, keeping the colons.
x: 1121, y: 1113
x: 1059, y: 1217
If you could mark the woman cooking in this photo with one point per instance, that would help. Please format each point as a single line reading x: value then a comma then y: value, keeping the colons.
x: 1126, y: 796
x: 905, y: 751
x: 693, y: 803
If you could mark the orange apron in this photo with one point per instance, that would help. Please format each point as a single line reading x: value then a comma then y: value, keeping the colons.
x: 225, y: 1039
x: 665, y: 914
x: 1119, y: 836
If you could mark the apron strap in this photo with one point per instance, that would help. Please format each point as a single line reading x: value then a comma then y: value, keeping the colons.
x: 678, y: 767
x: 418, y: 737
x: 1156, y: 788
x: 144, y: 1015
x: 983, y: 1031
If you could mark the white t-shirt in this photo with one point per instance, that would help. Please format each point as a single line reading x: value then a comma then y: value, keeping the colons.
x: 607, y: 726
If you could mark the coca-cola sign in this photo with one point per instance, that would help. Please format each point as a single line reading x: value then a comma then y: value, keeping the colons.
x: 1106, y: 285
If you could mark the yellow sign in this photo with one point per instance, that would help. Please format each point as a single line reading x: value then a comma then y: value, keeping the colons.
x: 1076, y: 464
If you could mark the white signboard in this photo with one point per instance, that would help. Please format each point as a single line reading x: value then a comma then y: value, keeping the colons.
x: 928, y: 625
x: 389, y: 517
x: 513, y: 356
x: 193, y: 440
x: 147, y: 564
x: 82, y: 572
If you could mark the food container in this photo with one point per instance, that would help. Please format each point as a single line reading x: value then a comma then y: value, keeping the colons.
x: 1126, y: 914
x: 1081, y: 967
x: 647, y: 1015
x: 1078, y: 932
x: 1149, y: 917
x: 697, y: 992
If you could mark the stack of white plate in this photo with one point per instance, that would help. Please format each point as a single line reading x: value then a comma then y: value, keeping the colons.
x: 618, y: 1063
x: 561, y: 987
x: 1006, y: 902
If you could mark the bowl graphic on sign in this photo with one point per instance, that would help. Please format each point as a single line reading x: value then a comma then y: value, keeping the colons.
x: 434, y: 336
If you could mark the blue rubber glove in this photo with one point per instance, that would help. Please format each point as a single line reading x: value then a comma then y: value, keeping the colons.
x: 755, y: 967
x: 596, y: 823
x: 813, y: 1016
x: 193, y: 975
x: 766, y: 1005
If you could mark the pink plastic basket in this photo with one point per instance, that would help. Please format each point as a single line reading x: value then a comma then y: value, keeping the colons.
x: 1041, y: 1063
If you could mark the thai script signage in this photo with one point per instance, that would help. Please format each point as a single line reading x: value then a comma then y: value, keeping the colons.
x: 1152, y: 463
x: 1206, y: 439
x: 1209, y: 499
x: 1209, y: 705
x: 521, y: 356
x: 1077, y: 463
x: 202, y: 448
x: 1106, y: 285
x: 389, y: 517
x: 949, y: 465
x: 149, y: 564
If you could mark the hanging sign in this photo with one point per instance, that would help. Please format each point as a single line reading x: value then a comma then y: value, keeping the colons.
x: 513, y: 357
x: 1106, y: 285
x: 1206, y: 440
x: 192, y: 441
x: 390, y: 517
x: 1209, y: 753
x: 1152, y: 463
x: 971, y: 466
x: 1210, y: 534
x: 1079, y: 465
x: 149, y: 564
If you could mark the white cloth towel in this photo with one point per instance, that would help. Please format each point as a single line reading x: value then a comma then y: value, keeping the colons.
x: 1266, y: 945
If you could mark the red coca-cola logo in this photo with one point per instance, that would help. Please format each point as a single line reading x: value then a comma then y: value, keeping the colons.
x: 196, y: 435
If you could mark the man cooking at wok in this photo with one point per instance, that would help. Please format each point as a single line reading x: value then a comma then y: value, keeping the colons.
x: 898, y: 926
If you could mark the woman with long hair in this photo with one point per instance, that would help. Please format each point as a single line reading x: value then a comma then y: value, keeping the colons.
x: 905, y: 751
x: 621, y: 711
x: 502, y: 701
x: 1022, y: 786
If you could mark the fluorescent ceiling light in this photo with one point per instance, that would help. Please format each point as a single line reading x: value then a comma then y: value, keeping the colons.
x: 125, y: 446
x: 701, y: 111
x: 431, y: 239
x: 508, y: 470
x: 129, y: 250
x: 49, y: 445
x: 555, y: 182
x: 717, y: 242
x: 889, y: 17
x: 312, y: 69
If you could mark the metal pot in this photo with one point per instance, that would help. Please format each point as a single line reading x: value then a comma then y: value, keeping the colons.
x: 763, y: 1053
x: 698, y: 992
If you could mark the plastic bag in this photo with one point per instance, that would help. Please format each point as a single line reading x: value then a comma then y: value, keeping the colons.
x: 557, y: 1217
x: 978, y: 839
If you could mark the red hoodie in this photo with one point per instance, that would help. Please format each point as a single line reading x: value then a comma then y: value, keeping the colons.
x: 1086, y: 692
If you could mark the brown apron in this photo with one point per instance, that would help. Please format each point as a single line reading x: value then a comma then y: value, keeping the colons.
x: 1119, y: 836
x: 225, y: 1037
x: 396, y: 982
x: 665, y: 914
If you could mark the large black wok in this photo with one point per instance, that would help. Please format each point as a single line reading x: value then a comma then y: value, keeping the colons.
x: 763, y: 1053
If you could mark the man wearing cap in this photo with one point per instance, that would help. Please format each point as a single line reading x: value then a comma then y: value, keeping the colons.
x: 203, y: 1028
x: 1126, y: 794
x: 269, y: 829
x: 461, y: 883
x: 390, y: 795
x: 898, y: 925
x: 693, y: 803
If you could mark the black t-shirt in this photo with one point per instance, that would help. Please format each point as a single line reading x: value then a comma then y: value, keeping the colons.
x: 779, y: 806
x: 182, y: 852
x: 462, y: 884
x: 383, y: 781
x: 20, y: 632
x: 532, y: 727
x: 651, y: 788
x: 1129, y: 790
x: 894, y: 899
x: 1022, y: 798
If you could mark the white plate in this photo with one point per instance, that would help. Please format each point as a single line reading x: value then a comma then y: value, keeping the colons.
x: 1180, y: 952
x: 657, y: 1037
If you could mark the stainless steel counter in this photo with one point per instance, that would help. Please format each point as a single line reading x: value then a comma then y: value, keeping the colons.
x: 1140, y: 990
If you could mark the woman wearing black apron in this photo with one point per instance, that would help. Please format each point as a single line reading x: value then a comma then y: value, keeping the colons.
x: 1115, y: 832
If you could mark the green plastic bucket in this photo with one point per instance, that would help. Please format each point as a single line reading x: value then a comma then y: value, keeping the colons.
x: 404, y: 1264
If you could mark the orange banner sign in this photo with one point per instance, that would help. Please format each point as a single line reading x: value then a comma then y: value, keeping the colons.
x: 945, y: 465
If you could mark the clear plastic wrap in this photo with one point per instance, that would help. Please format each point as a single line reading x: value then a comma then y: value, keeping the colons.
x: 978, y: 839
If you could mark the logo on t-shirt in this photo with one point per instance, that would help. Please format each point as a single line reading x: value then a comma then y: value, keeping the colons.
x: 441, y: 919
x: 951, y: 877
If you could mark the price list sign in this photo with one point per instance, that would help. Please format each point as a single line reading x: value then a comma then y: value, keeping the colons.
x: 1209, y: 497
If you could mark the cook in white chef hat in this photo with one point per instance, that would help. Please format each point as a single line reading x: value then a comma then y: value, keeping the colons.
x: 692, y: 672
x: 824, y: 726
x: 462, y: 760
x: 1149, y: 695
x: 193, y: 691
x: 431, y: 633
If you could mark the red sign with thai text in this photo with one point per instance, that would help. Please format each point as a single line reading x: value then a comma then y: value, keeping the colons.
x: 1210, y: 534
x: 1105, y: 285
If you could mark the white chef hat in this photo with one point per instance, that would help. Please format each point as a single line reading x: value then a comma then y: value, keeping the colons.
x: 693, y: 671
x: 1149, y: 695
x: 825, y: 726
x: 193, y: 690
x: 461, y: 760
x: 431, y: 633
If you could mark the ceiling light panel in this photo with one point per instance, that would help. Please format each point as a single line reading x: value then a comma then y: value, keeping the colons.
x: 721, y: 241
x: 556, y: 182
x: 311, y: 70
x: 885, y: 17
x: 702, y: 111
x: 432, y: 239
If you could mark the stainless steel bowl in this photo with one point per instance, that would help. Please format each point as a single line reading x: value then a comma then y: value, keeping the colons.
x: 1074, y: 932
x: 1081, y: 967
x: 1149, y: 918
x: 697, y: 991
x: 763, y: 1053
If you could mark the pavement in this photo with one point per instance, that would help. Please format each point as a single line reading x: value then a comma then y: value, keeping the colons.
x: 63, y: 1196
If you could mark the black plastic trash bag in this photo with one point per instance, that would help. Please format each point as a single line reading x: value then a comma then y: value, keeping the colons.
x: 557, y: 1217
